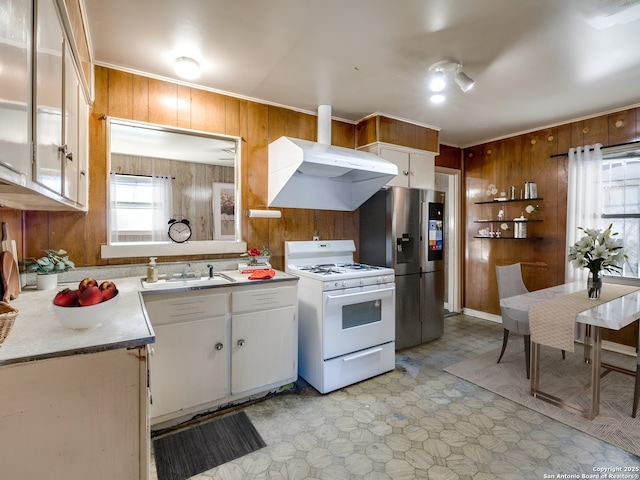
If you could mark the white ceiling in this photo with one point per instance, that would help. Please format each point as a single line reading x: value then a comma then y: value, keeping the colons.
x: 535, y: 63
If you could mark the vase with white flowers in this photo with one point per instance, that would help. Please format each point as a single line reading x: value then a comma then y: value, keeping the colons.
x: 597, y: 251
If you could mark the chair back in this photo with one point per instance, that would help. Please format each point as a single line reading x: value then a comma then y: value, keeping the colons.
x: 510, y: 281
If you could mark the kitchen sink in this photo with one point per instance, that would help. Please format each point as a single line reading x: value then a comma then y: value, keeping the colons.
x: 186, y: 282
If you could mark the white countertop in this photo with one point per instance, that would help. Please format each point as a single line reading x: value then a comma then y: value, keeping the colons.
x: 37, y: 333
x: 615, y: 314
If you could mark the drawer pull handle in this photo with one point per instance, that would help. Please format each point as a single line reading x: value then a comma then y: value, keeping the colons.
x: 363, y: 354
x: 241, y: 342
x: 219, y: 346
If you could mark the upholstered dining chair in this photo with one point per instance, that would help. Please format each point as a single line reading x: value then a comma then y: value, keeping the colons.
x: 510, y: 284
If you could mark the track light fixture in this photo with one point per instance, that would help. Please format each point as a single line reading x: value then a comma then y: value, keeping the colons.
x: 440, y: 71
x: 438, y: 81
x: 464, y: 81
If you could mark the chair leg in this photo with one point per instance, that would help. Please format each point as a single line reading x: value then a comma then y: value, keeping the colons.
x: 636, y: 392
x: 527, y: 354
x: 505, y: 337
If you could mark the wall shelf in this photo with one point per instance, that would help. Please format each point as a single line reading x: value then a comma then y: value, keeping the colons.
x: 507, y: 238
x: 509, y: 201
x: 508, y: 221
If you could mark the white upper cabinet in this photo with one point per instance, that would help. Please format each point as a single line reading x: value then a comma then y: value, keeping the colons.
x: 15, y: 95
x: 60, y: 109
x: 416, y: 168
x: 44, y: 130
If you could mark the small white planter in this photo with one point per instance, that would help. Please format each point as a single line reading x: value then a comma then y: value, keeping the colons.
x: 47, y: 282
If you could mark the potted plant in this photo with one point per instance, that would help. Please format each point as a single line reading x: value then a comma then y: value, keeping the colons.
x: 48, y: 267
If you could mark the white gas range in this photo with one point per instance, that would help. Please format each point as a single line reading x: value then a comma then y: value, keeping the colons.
x: 346, y: 313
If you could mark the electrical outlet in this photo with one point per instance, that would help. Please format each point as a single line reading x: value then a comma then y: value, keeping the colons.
x: 316, y: 238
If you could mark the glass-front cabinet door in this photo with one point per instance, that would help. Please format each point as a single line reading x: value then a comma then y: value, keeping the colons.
x: 15, y: 28
x: 49, y: 45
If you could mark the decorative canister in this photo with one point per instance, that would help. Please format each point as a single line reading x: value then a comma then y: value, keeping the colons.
x: 530, y: 190
x: 520, y: 227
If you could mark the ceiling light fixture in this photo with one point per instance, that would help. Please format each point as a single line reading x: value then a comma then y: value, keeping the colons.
x: 464, y: 81
x: 444, y: 69
x: 437, y: 83
x: 187, y: 68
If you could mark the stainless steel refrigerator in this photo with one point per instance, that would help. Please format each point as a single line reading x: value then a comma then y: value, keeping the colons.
x: 402, y: 228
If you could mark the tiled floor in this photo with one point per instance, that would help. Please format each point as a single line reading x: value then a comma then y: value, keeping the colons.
x: 417, y: 422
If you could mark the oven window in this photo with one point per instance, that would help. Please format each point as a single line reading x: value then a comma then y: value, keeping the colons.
x: 361, y: 314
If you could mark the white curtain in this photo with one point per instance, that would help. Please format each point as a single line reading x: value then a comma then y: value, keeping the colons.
x: 140, y: 208
x: 584, y: 199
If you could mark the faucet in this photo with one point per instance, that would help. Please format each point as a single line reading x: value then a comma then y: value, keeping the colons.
x: 210, y: 267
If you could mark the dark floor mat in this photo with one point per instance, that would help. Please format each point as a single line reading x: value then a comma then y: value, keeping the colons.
x: 186, y: 453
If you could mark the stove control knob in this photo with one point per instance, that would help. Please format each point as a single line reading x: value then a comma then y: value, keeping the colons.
x: 345, y: 284
x: 362, y: 281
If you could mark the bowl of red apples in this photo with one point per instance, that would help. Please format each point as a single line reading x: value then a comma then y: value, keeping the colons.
x: 87, y: 306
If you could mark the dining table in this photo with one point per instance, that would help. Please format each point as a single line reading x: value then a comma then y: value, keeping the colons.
x: 553, y: 315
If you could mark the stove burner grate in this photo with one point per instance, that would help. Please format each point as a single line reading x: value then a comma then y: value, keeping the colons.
x: 324, y: 269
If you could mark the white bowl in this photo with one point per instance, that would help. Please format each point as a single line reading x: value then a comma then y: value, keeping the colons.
x: 86, y: 317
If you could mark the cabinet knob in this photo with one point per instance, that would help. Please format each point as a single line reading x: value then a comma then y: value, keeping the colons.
x: 241, y: 342
x: 406, y: 172
x: 219, y: 346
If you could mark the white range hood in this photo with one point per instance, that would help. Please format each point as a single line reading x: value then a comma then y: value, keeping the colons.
x: 304, y: 174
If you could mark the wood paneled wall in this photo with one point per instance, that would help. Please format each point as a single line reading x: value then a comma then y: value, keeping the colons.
x: 512, y: 161
x: 389, y: 130
x: 135, y: 97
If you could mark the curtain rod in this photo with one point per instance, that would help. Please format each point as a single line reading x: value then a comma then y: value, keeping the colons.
x: 603, y: 148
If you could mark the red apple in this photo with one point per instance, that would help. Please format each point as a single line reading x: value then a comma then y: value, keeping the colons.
x: 86, y: 283
x: 108, y: 289
x: 66, y: 298
x: 90, y: 296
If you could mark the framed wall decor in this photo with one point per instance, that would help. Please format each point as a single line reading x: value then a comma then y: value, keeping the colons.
x: 224, y: 206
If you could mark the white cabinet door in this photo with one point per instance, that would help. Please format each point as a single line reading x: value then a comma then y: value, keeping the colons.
x: 70, y: 127
x: 83, y: 152
x: 48, y: 96
x: 423, y: 169
x: 401, y: 159
x: 15, y: 89
x: 263, y: 348
x: 186, y: 367
x: 75, y: 417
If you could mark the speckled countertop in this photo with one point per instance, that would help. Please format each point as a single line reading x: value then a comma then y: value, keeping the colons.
x: 37, y: 334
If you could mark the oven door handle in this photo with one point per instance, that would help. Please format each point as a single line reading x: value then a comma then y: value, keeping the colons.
x: 362, y: 354
x: 385, y: 291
